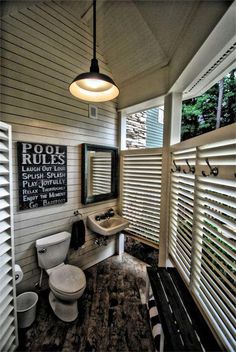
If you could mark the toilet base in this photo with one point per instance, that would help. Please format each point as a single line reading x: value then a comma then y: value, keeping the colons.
x: 64, y: 310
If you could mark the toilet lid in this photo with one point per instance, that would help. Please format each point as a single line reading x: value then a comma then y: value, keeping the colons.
x: 68, y: 279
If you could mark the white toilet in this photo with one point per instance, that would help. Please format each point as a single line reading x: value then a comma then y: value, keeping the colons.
x: 67, y: 282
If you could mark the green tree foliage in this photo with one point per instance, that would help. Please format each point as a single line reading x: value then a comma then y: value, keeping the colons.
x: 199, y: 113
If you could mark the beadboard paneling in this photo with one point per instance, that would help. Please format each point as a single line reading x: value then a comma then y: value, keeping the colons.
x: 43, y: 49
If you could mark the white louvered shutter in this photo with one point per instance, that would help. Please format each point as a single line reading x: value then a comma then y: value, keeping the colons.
x: 141, y: 192
x: 203, y: 232
x: 215, y: 264
x: 8, y: 328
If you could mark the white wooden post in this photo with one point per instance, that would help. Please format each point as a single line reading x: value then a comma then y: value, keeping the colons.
x: 171, y: 135
x: 120, y: 242
x: 122, y: 135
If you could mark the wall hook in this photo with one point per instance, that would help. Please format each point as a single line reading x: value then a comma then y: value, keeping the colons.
x: 191, y: 169
x: 177, y: 168
x: 213, y: 170
x: 77, y: 213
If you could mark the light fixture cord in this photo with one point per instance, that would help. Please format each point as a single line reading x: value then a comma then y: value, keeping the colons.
x: 94, y: 29
x: 94, y: 62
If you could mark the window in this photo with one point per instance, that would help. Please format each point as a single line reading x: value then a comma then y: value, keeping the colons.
x: 213, y: 109
x: 145, y: 129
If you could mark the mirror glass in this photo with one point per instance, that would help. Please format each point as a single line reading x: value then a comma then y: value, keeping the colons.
x: 99, y: 173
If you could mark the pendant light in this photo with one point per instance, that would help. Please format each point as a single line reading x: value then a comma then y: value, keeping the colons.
x: 94, y: 86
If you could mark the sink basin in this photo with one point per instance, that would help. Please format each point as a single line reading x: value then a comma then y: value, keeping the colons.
x: 107, y: 227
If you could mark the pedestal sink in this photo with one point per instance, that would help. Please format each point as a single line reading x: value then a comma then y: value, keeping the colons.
x: 105, y: 225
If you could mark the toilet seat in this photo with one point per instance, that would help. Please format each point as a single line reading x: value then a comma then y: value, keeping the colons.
x: 67, y: 279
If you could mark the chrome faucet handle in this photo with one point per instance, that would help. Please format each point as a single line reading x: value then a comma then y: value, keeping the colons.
x: 109, y: 213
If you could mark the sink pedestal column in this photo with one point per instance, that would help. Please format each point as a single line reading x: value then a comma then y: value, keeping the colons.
x: 120, y: 243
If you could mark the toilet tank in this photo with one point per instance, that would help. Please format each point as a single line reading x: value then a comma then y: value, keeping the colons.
x: 52, y: 250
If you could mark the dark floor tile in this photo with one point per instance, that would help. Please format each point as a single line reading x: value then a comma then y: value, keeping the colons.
x: 141, y: 251
x: 112, y: 317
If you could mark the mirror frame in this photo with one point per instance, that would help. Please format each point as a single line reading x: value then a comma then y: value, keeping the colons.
x: 85, y: 198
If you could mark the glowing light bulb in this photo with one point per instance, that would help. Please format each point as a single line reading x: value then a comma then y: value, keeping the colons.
x: 94, y: 84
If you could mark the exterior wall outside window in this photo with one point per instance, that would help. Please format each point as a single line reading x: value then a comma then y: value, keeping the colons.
x: 145, y: 129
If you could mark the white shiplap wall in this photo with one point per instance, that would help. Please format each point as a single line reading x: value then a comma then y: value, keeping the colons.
x: 43, y: 49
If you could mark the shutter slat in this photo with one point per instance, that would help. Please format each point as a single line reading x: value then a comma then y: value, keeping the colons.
x: 139, y: 221
x: 3, y: 159
x: 216, y: 237
x: 10, y: 345
x: 6, y: 303
x: 4, y: 215
x: 149, y: 174
x: 149, y: 212
x: 4, y: 204
x: 218, y: 296
x: 214, y: 258
x: 224, y: 200
x: 4, y: 237
x: 142, y: 187
x: 206, y: 270
x: 217, y: 315
x: 3, y: 193
x: 143, y: 195
x: 187, y: 241
x: 5, y: 279
x: 217, y: 216
x: 4, y: 181
x: 4, y: 248
x: 206, y: 262
x: 3, y: 135
x: 226, y: 233
x: 142, y: 200
x: 4, y: 226
x: 5, y: 293
x: 4, y: 170
x: 144, y: 234
x: 226, y: 191
x: 8, y: 338
x: 180, y: 263
x: 6, y: 326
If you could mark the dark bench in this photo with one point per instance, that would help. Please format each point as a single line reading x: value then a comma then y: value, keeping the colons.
x: 183, y: 325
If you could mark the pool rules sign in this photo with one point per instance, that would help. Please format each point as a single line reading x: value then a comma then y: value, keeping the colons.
x: 42, y: 174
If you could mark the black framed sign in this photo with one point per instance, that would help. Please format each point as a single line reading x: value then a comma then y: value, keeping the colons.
x: 42, y: 174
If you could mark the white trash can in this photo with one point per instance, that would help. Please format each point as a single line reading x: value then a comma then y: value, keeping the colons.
x: 26, y: 308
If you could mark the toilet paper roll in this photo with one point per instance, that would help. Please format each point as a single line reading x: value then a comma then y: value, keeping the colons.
x: 18, y: 274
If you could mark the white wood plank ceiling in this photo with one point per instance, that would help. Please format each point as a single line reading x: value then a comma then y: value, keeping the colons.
x: 147, y: 43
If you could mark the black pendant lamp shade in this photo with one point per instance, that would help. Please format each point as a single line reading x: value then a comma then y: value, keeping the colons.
x: 94, y: 86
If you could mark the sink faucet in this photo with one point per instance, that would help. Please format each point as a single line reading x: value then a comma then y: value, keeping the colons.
x: 109, y: 213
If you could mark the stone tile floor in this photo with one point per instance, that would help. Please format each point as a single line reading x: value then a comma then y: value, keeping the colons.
x: 141, y: 251
x: 112, y: 314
